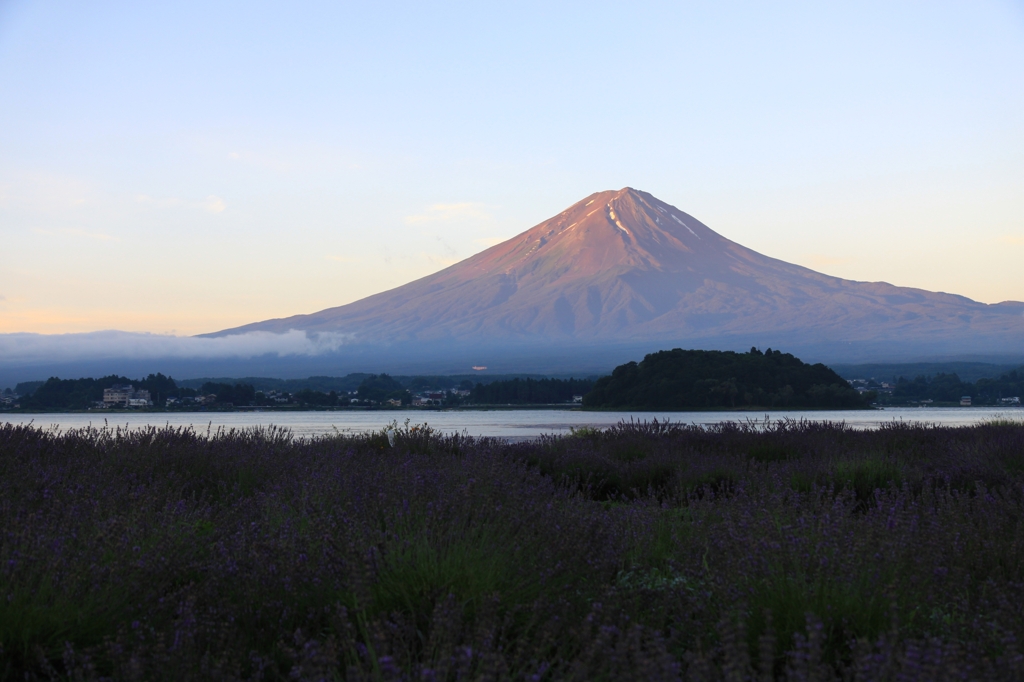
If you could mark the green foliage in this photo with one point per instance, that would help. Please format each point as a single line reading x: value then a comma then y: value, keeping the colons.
x: 789, y: 550
x: 70, y: 394
x: 1007, y: 385
x: 308, y: 397
x: 381, y: 387
x: 160, y: 387
x: 27, y: 387
x: 949, y: 388
x: 696, y: 379
x: 324, y: 384
x: 942, y: 387
x: 584, y: 432
x: 529, y: 391
x: 768, y: 451
x: 237, y: 394
x: 869, y: 474
x: 967, y: 371
x: 80, y: 394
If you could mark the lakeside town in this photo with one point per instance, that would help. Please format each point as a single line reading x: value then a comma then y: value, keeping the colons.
x: 886, y: 389
x: 127, y: 396
x: 157, y: 392
x: 382, y: 391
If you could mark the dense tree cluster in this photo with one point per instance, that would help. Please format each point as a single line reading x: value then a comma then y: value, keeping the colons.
x: 79, y: 394
x: 436, y: 383
x: 701, y: 379
x: 70, y: 393
x: 318, y: 398
x: 941, y: 387
x: 949, y: 388
x: 529, y: 391
x: 235, y: 394
x: 381, y: 387
x: 28, y: 387
x: 1006, y: 386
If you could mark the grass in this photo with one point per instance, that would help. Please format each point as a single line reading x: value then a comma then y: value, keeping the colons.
x: 792, y: 550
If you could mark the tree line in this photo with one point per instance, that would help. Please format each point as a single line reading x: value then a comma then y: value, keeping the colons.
x: 529, y: 391
x: 81, y: 394
x: 675, y: 379
x: 949, y: 388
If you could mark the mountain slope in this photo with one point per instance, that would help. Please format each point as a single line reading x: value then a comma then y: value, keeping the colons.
x: 619, y: 267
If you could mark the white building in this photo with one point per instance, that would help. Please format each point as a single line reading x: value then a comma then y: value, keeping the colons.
x: 125, y: 396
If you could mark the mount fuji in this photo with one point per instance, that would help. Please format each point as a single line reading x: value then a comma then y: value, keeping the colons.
x: 621, y: 271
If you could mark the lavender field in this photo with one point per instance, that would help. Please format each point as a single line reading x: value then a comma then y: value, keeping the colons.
x: 793, y: 550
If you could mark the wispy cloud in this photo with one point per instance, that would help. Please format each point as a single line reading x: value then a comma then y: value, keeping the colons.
x: 30, y: 348
x: 488, y: 241
x: 341, y: 259
x: 440, y: 213
x: 45, y: 190
x: 212, y: 203
x: 76, y: 232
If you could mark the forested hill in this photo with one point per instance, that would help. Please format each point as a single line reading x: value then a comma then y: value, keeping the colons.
x: 700, y: 379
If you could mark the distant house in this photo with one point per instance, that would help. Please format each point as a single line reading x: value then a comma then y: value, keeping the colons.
x: 965, y: 401
x: 1010, y: 401
x: 395, y: 402
x: 117, y: 396
x: 577, y: 399
x: 125, y: 395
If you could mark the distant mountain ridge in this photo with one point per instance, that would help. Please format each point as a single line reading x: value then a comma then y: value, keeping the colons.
x: 624, y: 268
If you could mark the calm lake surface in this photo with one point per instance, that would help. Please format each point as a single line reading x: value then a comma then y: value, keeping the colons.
x: 514, y: 424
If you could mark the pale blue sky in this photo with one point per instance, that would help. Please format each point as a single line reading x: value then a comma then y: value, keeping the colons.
x: 193, y: 166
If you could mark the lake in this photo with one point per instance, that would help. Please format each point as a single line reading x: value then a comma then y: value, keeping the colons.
x: 513, y: 424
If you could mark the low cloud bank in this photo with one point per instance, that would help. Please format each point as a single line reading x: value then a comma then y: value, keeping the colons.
x: 36, y: 348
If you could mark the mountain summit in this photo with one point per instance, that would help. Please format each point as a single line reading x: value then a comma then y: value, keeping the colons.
x: 623, y: 267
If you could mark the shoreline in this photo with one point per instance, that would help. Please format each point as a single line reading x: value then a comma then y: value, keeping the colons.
x: 555, y: 407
